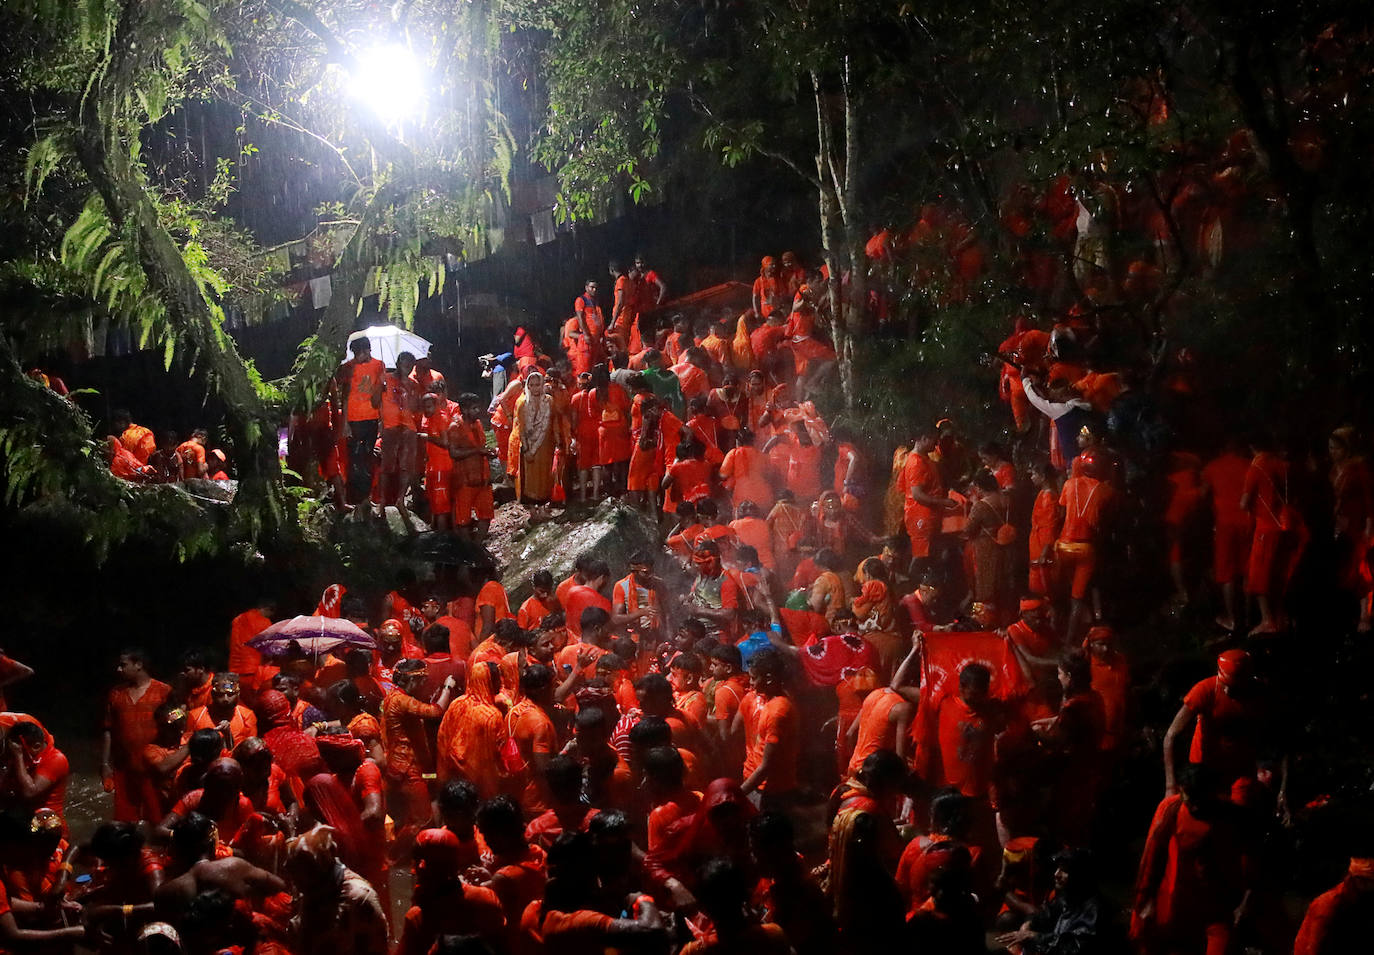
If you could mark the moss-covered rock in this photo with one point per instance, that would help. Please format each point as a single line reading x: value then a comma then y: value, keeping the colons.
x: 611, y: 531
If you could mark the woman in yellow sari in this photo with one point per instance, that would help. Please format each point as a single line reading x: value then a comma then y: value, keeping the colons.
x: 537, y: 431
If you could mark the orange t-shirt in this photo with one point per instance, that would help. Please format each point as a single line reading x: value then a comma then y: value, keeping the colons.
x: 1082, y: 500
x: 579, y: 598
x: 566, y: 659
x: 876, y: 728
x: 779, y: 722
x: 691, y: 379
x: 966, y: 747
x: 139, y: 442
x: 746, y: 473
x: 584, y: 932
x: 919, y: 472
x: 400, y: 401
x: 665, y: 814
x: 364, y: 380
x: 755, y: 532
x: 532, y: 611
x: 493, y: 595
x: 192, y: 459
x: 560, y: 593
x: 437, y: 459
x: 459, y: 636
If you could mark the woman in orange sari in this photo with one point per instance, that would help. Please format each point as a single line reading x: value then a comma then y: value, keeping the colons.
x: 472, y: 733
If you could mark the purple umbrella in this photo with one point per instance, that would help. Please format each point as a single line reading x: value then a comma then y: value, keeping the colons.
x: 314, y: 634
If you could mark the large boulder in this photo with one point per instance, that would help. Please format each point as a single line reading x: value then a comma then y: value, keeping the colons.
x: 611, y: 531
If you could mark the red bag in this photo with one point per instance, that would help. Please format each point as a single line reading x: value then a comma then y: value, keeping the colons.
x: 559, y: 494
x: 512, y: 763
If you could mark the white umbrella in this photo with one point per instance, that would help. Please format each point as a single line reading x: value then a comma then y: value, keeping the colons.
x: 388, y: 341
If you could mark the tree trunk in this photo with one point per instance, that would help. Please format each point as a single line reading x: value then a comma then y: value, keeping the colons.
x: 841, y: 230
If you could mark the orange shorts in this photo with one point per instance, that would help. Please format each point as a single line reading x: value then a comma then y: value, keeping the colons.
x: 398, y: 450
x: 437, y: 490
x: 474, y: 499
x: 1230, y: 551
x: 644, y: 473
x: 921, y: 528
x: 1077, y: 563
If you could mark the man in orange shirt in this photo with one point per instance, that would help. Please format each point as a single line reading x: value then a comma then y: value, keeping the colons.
x: 129, y: 727
x: 473, y: 504
x: 192, y: 452
x: 243, y: 659
x: 137, y: 440
x: 625, y: 309
x: 540, y: 603
x: 459, y: 633
x: 493, y: 605
x: 584, y: 333
x: 636, y: 596
x: 224, y: 713
x: 725, y: 692
x: 923, y: 500
x: 596, y: 573
x: 771, y: 763
x: 1083, y: 499
x: 535, y: 737
x: 409, y: 753
x: 691, y: 373
x: 361, y: 379
x: 885, y: 717
x: 958, y: 745
x: 400, y: 409
x: 433, y: 439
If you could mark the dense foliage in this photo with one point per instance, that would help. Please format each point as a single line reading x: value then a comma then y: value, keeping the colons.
x: 112, y: 215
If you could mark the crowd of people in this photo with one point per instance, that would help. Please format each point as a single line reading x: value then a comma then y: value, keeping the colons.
x: 821, y: 717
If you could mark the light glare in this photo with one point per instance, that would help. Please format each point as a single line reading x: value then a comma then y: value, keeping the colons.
x: 389, y: 81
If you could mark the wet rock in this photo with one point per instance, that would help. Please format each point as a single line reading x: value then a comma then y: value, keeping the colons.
x: 207, y: 491
x: 611, y: 531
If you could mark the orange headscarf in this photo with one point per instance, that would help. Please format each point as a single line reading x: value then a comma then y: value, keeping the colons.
x: 471, y: 735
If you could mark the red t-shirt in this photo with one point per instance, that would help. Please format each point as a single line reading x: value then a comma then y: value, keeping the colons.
x: 1227, y: 733
x: 579, y: 598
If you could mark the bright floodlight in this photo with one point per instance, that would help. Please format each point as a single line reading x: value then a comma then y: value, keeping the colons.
x: 389, y: 81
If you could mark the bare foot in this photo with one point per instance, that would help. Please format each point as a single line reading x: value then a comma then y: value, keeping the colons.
x: 1226, y: 623
x: 1364, y: 626
x: 1263, y: 630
